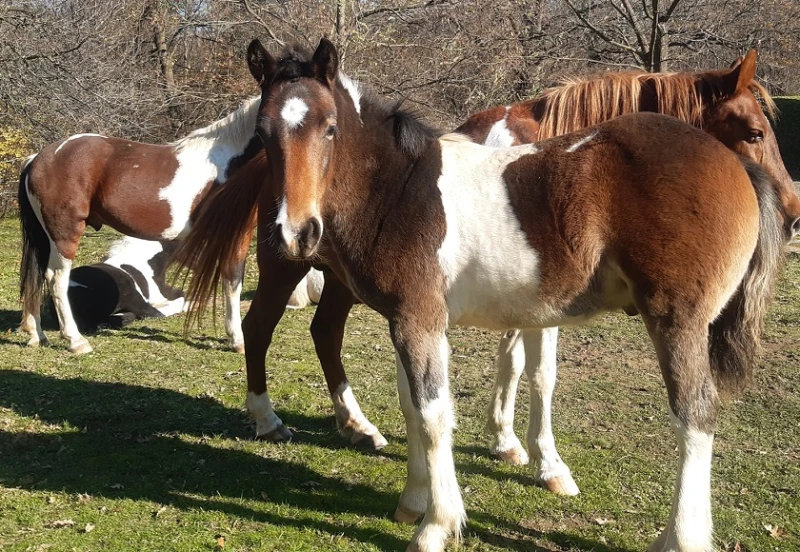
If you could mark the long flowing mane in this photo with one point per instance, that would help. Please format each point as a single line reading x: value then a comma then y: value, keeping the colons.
x: 235, y: 128
x: 580, y: 103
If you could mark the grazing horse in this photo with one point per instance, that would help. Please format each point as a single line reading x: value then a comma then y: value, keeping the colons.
x: 721, y: 102
x: 128, y: 285
x: 143, y: 190
x: 642, y: 213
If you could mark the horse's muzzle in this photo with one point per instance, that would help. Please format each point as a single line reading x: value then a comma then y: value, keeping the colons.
x: 300, y: 243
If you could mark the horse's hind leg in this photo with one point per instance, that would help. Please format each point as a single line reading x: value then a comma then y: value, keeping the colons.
x: 232, y: 286
x: 32, y: 320
x: 509, y: 365
x: 327, y: 330
x: 540, y: 364
x: 57, y: 275
x: 683, y: 355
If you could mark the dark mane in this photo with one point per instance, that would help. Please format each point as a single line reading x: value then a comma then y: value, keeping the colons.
x: 294, y: 63
x: 411, y: 133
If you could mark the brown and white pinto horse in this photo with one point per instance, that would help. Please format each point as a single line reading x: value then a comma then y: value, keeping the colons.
x: 643, y: 213
x: 143, y: 190
x: 721, y: 102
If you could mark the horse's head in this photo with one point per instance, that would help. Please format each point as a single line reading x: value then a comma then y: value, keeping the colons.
x: 739, y: 122
x: 297, y: 122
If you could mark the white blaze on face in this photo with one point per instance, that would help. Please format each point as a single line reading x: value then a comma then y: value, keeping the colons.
x: 282, y: 220
x: 293, y: 112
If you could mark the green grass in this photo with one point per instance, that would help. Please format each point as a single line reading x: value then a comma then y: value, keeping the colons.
x: 145, y: 441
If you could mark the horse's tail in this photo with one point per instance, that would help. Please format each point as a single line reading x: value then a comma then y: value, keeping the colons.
x: 735, y: 336
x: 35, y: 243
x: 221, y: 225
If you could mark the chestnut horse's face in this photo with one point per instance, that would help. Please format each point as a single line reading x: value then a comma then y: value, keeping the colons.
x: 297, y: 122
x: 739, y: 122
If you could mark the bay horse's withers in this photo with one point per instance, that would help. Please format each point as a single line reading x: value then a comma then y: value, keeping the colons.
x: 643, y: 213
x: 721, y: 102
x: 146, y: 191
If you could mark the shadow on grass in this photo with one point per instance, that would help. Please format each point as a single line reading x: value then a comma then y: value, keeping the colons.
x: 130, y: 436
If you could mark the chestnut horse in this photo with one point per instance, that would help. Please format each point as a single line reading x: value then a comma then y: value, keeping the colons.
x: 721, y: 102
x: 146, y: 191
x: 642, y: 213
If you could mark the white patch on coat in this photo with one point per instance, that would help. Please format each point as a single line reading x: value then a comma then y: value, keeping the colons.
x: 203, y: 156
x: 499, y: 136
x: 354, y: 89
x: 75, y: 137
x: 583, y: 141
x: 293, y: 112
x: 137, y: 253
x: 485, y: 255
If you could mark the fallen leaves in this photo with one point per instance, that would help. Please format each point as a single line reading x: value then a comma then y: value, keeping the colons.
x: 774, y: 531
x: 61, y: 524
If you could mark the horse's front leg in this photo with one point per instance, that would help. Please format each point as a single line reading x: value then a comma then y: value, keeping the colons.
x: 276, y: 282
x: 423, y: 351
x: 327, y: 330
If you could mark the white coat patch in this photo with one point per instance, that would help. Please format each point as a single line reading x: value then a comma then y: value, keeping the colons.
x: 75, y: 137
x: 499, y: 136
x: 294, y: 111
x: 485, y: 256
x: 352, y: 88
x: 583, y: 141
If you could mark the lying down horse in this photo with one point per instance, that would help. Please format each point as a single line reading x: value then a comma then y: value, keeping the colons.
x: 643, y: 213
x: 142, y: 190
x: 129, y: 284
x: 722, y: 102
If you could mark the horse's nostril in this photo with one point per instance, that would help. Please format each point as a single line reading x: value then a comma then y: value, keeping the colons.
x: 311, y: 232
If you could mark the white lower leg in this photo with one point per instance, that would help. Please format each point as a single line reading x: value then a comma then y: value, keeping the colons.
x: 414, y: 499
x: 690, y: 527
x: 233, y: 310
x: 510, y: 364
x: 32, y: 323
x: 57, y: 275
x: 260, y: 409
x: 540, y: 354
x: 350, y: 421
x: 445, y: 515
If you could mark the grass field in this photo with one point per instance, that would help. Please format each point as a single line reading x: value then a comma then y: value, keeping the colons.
x: 144, y: 444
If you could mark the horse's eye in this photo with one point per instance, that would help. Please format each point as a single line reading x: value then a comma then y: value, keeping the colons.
x: 329, y: 134
x: 755, y: 136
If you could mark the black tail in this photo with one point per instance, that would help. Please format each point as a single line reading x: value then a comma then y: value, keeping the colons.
x: 735, y: 336
x: 35, y: 244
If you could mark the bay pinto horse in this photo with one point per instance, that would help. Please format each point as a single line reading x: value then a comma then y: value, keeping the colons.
x: 721, y: 102
x: 147, y: 191
x: 642, y: 213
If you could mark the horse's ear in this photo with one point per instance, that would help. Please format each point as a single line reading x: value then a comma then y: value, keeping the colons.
x: 737, y: 62
x: 325, y: 62
x: 260, y: 63
x: 742, y: 73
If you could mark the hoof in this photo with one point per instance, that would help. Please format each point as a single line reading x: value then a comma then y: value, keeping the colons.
x: 81, y: 348
x: 36, y: 342
x: 374, y: 442
x: 561, y: 485
x: 515, y: 456
x: 280, y: 434
x: 238, y: 348
x: 404, y: 515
